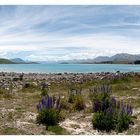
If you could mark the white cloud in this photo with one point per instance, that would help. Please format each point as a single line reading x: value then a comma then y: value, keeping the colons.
x: 94, y: 44
x: 63, y: 30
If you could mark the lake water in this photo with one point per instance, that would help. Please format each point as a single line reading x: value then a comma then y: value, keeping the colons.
x: 74, y: 68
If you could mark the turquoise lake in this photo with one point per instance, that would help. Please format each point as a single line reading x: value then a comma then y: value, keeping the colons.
x: 74, y: 68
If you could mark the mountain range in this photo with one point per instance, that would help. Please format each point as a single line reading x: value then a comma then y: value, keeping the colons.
x: 118, y: 58
x: 15, y: 61
x: 123, y: 58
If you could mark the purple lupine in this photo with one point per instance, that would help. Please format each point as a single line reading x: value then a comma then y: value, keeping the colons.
x: 57, y: 102
x: 110, y: 111
x: 104, y: 105
x: 113, y: 101
x: 123, y: 110
x: 39, y: 107
x: 118, y: 104
x: 59, y: 107
x: 129, y: 110
x: 102, y: 89
x: 43, y: 101
x: 48, y: 103
x: 96, y: 106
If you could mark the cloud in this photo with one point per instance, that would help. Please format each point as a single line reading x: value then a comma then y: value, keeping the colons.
x: 68, y: 32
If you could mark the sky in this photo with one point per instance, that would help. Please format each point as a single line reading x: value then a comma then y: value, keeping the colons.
x: 54, y: 33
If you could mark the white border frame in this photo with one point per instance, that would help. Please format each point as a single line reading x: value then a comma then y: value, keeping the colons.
x: 69, y: 2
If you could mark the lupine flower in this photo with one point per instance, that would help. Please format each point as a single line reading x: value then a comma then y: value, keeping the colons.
x: 59, y: 107
x: 43, y: 101
x: 57, y: 102
x: 118, y: 104
x: 102, y: 89
x: 110, y: 111
x: 39, y: 107
x: 123, y: 109
x: 129, y: 110
x: 104, y: 105
x: 113, y: 101
x: 96, y: 106
x: 48, y: 103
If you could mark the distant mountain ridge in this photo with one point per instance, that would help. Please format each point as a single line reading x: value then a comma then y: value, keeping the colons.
x: 118, y: 57
x: 15, y: 61
x: 6, y: 61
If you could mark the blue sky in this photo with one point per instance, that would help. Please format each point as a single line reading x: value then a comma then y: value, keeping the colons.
x: 45, y: 33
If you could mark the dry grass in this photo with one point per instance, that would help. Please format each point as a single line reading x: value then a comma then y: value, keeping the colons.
x: 18, y: 113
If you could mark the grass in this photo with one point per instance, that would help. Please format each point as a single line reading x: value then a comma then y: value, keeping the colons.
x: 27, y: 99
x: 57, y: 130
x: 12, y: 131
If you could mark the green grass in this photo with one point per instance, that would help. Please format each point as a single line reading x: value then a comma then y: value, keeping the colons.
x: 5, y: 61
x: 11, y: 131
x: 58, y: 130
x: 27, y: 99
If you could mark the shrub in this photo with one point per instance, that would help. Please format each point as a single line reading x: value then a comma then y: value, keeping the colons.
x: 62, y: 115
x: 47, y: 117
x: 30, y: 87
x: 110, y: 114
x: 102, y: 121
x: 74, y: 93
x: 123, y: 118
x: 100, y: 93
x: 72, y: 98
x: 48, y: 111
x: 79, y: 103
x: 75, y: 97
x: 66, y: 105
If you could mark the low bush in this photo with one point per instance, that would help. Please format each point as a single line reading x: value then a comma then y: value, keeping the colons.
x: 77, y: 101
x: 110, y: 114
x: 102, y: 121
x: 49, y: 111
x: 30, y: 87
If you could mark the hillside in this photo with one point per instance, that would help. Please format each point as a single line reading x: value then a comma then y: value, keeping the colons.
x: 122, y: 57
x: 15, y: 61
x: 6, y: 61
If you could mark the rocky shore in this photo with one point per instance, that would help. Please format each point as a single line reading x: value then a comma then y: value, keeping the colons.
x: 15, y: 81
